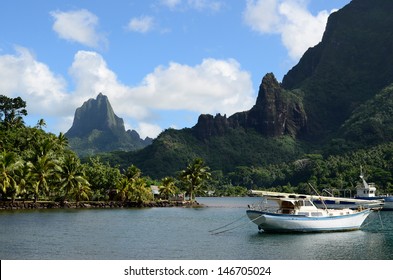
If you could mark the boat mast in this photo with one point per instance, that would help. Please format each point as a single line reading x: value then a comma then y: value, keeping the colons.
x: 320, y: 197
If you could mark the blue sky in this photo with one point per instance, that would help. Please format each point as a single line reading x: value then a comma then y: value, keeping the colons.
x: 161, y: 63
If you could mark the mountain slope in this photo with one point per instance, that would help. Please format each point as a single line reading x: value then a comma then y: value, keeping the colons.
x: 264, y: 134
x: 372, y: 122
x: 349, y: 66
x: 96, y: 128
x: 316, y: 104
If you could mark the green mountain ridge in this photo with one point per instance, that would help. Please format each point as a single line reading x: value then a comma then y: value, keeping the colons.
x: 352, y: 63
x: 335, y: 100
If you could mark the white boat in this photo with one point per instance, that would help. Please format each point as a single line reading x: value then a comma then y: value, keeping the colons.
x: 280, y: 212
x: 367, y: 191
x: 366, y: 195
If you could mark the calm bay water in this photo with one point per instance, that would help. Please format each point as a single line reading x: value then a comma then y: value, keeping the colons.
x: 179, y: 233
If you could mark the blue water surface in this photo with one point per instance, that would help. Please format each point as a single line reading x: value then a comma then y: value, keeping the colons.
x: 180, y: 233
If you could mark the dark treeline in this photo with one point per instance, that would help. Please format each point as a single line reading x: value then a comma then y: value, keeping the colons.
x: 333, y: 173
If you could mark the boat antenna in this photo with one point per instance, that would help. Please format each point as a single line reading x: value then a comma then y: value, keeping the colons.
x: 320, y: 197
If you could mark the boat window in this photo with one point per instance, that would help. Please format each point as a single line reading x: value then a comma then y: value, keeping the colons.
x: 316, y: 214
x: 304, y: 213
x: 299, y: 203
x: 307, y: 203
x: 287, y: 204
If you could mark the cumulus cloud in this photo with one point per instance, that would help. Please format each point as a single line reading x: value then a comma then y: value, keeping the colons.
x: 21, y: 74
x: 78, y: 26
x: 141, y: 24
x: 213, y: 86
x: 210, y: 87
x: 92, y: 75
x: 299, y: 29
x: 147, y: 129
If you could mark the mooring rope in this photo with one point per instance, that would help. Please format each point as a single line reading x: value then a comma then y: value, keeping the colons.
x: 380, y: 219
x: 228, y: 224
x: 214, y: 233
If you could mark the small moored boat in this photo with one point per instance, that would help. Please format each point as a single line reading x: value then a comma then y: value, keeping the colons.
x: 367, y: 191
x: 366, y: 195
x: 297, y: 213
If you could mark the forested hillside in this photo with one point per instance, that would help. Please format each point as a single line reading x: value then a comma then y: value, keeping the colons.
x: 334, y: 102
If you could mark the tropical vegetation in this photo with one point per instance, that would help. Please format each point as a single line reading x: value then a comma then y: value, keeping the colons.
x: 36, y: 165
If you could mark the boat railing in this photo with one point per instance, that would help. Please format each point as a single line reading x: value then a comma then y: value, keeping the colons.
x: 265, y: 205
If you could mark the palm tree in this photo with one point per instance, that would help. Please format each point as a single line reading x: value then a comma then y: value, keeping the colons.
x: 194, y: 175
x: 72, y: 178
x: 21, y: 179
x: 139, y: 192
x: 62, y: 141
x: 168, y: 187
x: 9, y: 163
x: 41, y: 172
x: 123, y: 189
x: 81, y: 192
x: 41, y: 123
x: 133, y: 172
x: 45, y: 147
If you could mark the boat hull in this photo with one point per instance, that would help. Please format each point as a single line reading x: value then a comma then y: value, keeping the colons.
x: 272, y: 222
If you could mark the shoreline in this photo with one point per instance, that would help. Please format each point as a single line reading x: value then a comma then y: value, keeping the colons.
x: 31, y: 205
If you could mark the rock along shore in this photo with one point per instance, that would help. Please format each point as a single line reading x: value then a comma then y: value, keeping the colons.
x: 23, y: 205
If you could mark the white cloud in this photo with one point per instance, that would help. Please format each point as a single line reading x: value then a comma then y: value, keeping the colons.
x: 171, y: 3
x: 92, y: 76
x: 22, y: 75
x: 299, y: 29
x: 141, y: 24
x: 148, y: 129
x: 205, y: 5
x: 213, y: 86
x: 262, y: 16
x: 210, y: 87
x: 78, y: 26
x: 193, y: 4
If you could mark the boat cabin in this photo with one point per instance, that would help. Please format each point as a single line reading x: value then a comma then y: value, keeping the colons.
x: 305, y: 207
x: 365, y: 189
x: 297, y: 206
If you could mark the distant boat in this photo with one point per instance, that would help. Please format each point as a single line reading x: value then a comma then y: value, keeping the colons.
x: 365, y: 196
x: 367, y: 191
x: 281, y: 212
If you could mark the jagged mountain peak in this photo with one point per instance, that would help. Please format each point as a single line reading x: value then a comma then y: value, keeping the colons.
x: 269, y: 87
x: 276, y: 112
x: 96, y: 128
x: 95, y: 114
